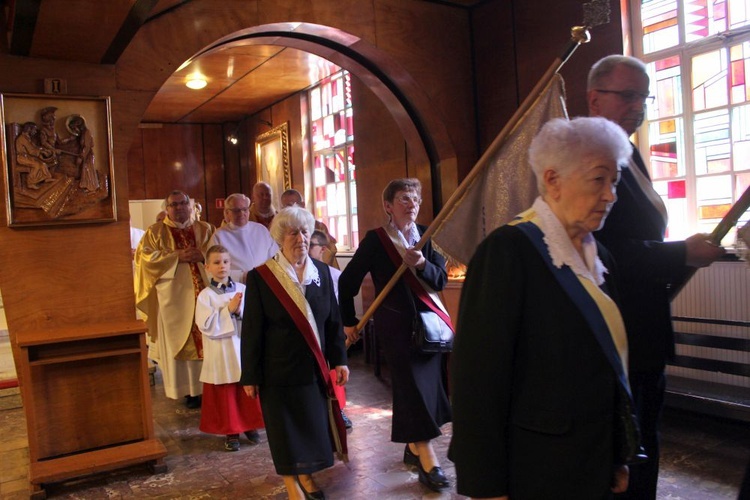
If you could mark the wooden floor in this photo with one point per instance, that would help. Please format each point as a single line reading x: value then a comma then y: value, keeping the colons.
x: 703, y: 457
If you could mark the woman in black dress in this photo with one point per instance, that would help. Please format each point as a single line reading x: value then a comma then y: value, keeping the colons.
x: 420, y: 403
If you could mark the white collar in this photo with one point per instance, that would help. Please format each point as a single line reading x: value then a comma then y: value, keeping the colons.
x: 180, y: 225
x: 309, y: 273
x: 561, y: 249
x: 409, y: 236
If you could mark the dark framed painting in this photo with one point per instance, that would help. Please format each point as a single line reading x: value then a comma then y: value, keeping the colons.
x: 57, y: 156
x: 272, y: 159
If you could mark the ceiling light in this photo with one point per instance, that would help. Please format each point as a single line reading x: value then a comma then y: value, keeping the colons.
x: 196, y: 81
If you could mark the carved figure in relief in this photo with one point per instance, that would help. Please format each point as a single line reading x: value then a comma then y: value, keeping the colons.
x: 32, y: 158
x: 76, y: 125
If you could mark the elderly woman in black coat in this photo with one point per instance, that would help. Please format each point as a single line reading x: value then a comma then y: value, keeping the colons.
x: 291, y: 334
x: 539, y: 367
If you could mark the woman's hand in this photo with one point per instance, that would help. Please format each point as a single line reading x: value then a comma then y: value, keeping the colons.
x: 251, y: 390
x: 352, y: 335
x: 620, y: 479
x: 342, y: 374
x: 414, y: 258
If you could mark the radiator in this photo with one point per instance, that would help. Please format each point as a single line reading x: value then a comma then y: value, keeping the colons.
x: 720, y: 292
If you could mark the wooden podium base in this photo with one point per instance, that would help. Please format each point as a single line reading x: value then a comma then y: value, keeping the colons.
x: 87, y: 400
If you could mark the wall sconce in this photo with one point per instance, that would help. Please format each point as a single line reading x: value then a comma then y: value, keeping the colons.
x: 232, y: 138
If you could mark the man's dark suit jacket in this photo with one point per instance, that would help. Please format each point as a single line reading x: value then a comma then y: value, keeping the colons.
x: 634, y: 234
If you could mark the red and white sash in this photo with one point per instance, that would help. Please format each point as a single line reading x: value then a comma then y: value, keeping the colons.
x: 395, y: 249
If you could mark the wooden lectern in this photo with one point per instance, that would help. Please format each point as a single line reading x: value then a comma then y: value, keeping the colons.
x: 87, y: 400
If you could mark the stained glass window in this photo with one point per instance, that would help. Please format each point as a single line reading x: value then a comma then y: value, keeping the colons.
x: 666, y: 148
x: 739, y: 55
x: 332, y: 138
x: 709, y: 78
x: 660, y: 26
x: 697, y: 134
x: 667, y: 87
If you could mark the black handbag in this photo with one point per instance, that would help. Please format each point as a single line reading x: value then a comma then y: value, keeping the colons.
x: 430, y: 334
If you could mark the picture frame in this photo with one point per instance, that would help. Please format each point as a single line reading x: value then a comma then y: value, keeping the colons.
x: 57, y: 159
x: 272, y: 159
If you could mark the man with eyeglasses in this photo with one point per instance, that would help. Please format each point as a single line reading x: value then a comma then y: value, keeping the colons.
x: 618, y: 89
x: 249, y: 243
x: 168, y: 278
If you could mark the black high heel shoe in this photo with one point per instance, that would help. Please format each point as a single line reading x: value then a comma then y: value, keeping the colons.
x: 409, y: 457
x: 435, y: 479
x: 310, y: 495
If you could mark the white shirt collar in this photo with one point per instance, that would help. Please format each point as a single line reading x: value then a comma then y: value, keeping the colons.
x: 409, y: 236
x: 561, y: 249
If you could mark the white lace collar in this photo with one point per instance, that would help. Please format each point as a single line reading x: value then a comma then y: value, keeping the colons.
x: 409, y: 236
x: 561, y: 249
x: 309, y: 274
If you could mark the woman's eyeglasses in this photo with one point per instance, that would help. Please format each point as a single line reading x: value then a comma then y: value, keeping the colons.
x: 406, y: 199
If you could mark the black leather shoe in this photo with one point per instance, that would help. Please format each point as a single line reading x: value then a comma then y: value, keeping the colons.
x: 435, y: 479
x: 310, y: 495
x: 253, y: 436
x: 409, y: 457
x: 193, y: 402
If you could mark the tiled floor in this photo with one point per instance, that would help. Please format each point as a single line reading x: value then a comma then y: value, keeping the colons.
x: 703, y: 458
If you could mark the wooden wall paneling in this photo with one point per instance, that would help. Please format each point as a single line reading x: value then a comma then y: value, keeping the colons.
x: 605, y: 40
x: 379, y: 155
x: 232, y: 173
x: 173, y: 159
x: 542, y: 38
x: 440, y: 62
x: 495, y: 69
x: 55, y: 263
x: 136, y: 172
x: 213, y: 161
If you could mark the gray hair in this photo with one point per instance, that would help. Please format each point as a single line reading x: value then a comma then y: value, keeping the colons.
x: 563, y: 145
x: 605, y: 66
x: 291, y: 218
x: 236, y: 196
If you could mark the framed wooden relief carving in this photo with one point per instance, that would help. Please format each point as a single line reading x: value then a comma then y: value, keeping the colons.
x: 57, y: 156
x: 272, y: 159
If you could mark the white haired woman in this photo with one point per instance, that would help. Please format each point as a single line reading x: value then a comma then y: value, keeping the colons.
x: 291, y: 333
x: 541, y: 405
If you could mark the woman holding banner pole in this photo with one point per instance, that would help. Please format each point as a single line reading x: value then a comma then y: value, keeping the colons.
x: 420, y: 403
